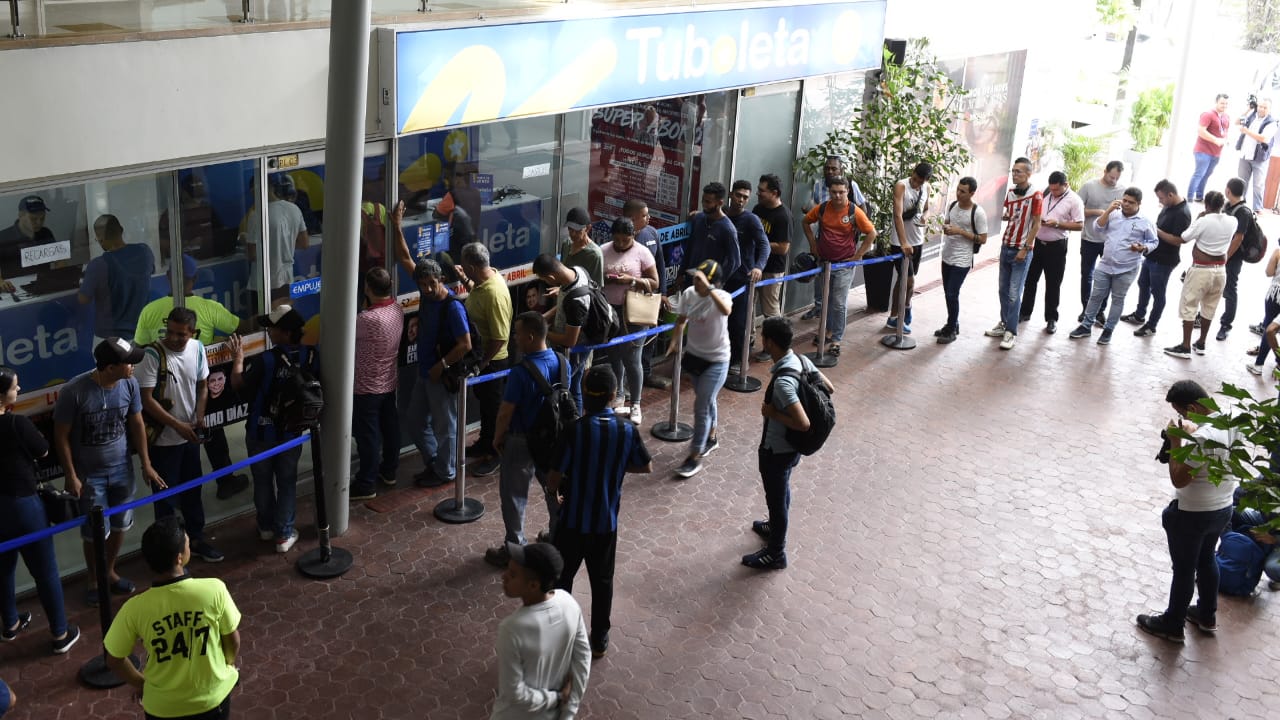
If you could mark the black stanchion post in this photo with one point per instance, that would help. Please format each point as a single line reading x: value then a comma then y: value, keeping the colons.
x: 898, y: 340
x: 95, y: 673
x: 820, y: 356
x: 671, y: 429
x: 742, y: 382
x: 460, y: 509
x: 325, y: 561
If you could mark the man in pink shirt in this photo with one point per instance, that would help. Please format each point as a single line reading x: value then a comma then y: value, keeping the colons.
x: 1063, y: 212
x: 1211, y: 135
x: 375, y: 422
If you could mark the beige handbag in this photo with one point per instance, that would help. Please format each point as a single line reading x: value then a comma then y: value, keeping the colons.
x: 642, y: 308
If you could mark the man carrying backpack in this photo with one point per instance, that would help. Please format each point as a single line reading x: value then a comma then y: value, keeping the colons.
x: 275, y: 479
x: 782, y: 411
x: 1245, y: 228
x: 518, y: 415
x: 582, y: 314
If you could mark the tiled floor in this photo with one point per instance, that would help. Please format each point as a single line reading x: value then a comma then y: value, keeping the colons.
x: 975, y: 543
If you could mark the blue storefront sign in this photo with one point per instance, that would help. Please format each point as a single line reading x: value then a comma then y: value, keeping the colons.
x: 452, y: 76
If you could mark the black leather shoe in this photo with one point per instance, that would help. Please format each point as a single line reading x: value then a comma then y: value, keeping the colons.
x: 1222, y: 333
x: 1051, y: 328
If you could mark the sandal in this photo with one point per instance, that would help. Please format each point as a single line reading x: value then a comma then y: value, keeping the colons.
x: 122, y: 586
x: 10, y: 634
x: 833, y: 349
x: 1253, y: 350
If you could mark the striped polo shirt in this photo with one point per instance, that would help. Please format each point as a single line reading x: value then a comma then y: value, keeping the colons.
x: 378, y: 332
x: 596, y: 457
x: 1019, y: 212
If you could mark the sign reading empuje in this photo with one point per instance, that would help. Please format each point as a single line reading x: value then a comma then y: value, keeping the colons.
x: 452, y: 76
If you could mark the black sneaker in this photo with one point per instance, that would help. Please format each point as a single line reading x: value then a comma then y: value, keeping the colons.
x: 1198, y: 347
x: 1179, y: 351
x: 1052, y: 327
x: 947, y: 338
x: 761, y: 528
x: 474, y: 450
x: 1196, y: 323
x: 362, y: 492
x: 206, y: 552
x: 485, y: 468
x: 428, y: 479
x: 544, y: 536
x: 387, y: 480
x: 690, y: 467
x: 1205, y: 623
x: 1024, y: 318
x: 1144, y: 331
x: 942, y: 331
x: 1156, y: 625
x: 498, y: 556
x: 599, y: 646
x: 765, y: 560
x: 1134, y: 318
x: 11, y: 633
x: 1099, y: 321
x: 1083, y: 331
x: 713, y: 443
x: 60, y: 647
x: 810, y: 314
x: 1105, y: 337
x: 231, y: 486
x: 1257, y: 329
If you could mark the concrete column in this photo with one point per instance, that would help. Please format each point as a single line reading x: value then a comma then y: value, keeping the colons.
x: 344, y: 162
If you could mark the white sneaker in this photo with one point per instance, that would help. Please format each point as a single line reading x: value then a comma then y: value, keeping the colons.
x: 1255, y: 369
x: 266, y: 535
x: 997, y: 331
x: 285, y: 545
x: 1010, y: 339
x: 636, y: 415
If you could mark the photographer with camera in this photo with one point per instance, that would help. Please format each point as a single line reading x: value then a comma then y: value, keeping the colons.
x: 1195, y: 518
x: 1257, y: 130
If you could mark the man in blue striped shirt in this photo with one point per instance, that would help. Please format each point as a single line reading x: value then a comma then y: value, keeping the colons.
x: 601, y: 449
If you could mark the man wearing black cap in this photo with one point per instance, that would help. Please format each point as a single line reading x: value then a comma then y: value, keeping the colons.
x: 544, y: 658
x: 96, y: 418
x: 275, y: 480
x: 27, y: 231
x: 580, y: 250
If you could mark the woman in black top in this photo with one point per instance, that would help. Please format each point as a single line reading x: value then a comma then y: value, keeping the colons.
x: 21, y: 513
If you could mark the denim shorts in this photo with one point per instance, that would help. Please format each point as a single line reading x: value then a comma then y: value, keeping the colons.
x: 109, y: 488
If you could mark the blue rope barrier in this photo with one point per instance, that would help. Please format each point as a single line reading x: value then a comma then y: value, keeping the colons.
x: 14, y: 544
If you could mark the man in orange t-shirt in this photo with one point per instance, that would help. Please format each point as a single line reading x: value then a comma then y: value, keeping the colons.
x: 837, y: 241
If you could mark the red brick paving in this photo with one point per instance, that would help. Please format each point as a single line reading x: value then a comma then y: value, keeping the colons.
x: 975, y: 543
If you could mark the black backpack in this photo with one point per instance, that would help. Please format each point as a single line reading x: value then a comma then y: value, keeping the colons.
x: 556, y: 416
x: 296, y: 398
x: 817, y: 404
x: 602, y: 322
x: 1253, y: 247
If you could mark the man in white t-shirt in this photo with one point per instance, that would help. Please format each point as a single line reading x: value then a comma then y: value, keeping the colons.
x: 1215, y: 239
x: 288, y: 234
x: 1257, y: 131
x: 1194, y: 520
x: 965, y: 225
x: 173, y: 377
x: 544, y: 657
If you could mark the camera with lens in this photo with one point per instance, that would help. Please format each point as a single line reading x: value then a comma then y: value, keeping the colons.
x: 1253, y: 102
x: 1163, y: 455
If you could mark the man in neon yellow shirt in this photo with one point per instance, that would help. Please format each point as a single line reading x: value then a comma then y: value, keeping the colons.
x: 212, y: 318
x: 189, y: 629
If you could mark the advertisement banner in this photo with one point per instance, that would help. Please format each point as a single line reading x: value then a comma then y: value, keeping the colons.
x: 453, y: 76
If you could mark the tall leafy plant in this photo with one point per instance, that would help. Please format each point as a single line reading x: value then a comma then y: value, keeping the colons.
x: 909, y: 119
x: 1150, y: 116
x: 1081, y: 156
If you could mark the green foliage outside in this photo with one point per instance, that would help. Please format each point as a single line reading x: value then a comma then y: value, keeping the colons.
x: 1149, y: 117
x: 1082, y: 157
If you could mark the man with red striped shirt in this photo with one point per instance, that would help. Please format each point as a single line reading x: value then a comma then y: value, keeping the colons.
x: 375, y: 422
x: 1022, y: 210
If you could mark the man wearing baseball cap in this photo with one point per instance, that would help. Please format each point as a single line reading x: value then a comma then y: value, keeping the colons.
x: 544, y: 658
x: 96, y: 418
x: 28, y: 230
x: 580, y: 250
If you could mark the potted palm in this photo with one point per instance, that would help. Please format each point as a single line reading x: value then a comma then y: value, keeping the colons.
x: 1149, y: 119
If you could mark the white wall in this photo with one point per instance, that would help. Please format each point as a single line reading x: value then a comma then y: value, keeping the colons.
x: 91, y: 107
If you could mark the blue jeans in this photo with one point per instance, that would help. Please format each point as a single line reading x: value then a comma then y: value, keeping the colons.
x: 444, y: 426
x: 625, y: 361
x: 1253, y: 174
x: 1012, y: 276
x: 517, y: 472
x: 1193, y: 538
x: 706, y: 411
x: 375, y: 423
x: 952, y: 279
x: 1230, y: 294
x: 417, y: 420
x: 1116, y: 286
x: 1270, y: 313
x: 1152, y: 281
x: 275, y: 486
x: 1205, y: 163
x: 577, y: 368
x: 177, y: 464
x: 775, y: 473
x: 1089, y: 254
x: 21, y: 516
x: 841, y: 281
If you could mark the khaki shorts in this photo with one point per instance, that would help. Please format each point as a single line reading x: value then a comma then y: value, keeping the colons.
x: 1201, y: 291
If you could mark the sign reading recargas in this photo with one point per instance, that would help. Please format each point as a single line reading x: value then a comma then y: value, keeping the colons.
x: 466, y: 75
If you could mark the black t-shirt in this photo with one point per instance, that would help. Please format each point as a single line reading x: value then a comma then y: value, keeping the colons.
x: 1244, y: 219
x: 20, y: 444
x: 1173, y: 220
x: 777, y: 225
x: 12, y: 241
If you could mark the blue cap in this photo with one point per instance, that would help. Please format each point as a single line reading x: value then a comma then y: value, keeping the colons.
x: 32, y: 203
x: 189, y: 267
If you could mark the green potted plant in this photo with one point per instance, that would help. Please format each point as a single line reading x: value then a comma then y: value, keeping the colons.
x: 1149, y: 119
x: 910, y: 119
x: 1081, y: 156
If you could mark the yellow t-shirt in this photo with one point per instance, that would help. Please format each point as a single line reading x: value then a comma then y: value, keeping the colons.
x: 489, y: 307
x: 181, y: 623
x: 212, y: 318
